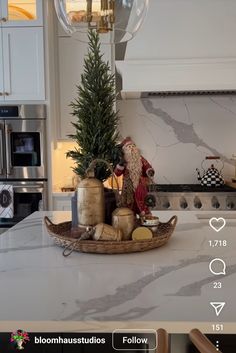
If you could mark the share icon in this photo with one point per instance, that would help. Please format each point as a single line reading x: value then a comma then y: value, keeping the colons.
x: 218, y: 306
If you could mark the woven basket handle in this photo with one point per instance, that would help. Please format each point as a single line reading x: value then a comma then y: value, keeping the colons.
x: 48, y: 221
x: 173, y: 221
x: 71, y: 247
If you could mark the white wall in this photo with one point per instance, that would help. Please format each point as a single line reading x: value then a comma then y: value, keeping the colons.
x: 71, y: 55
x: 176, y: 133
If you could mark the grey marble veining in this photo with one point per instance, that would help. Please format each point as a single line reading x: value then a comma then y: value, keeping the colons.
x: 184, y: 132
x: 172, y: 283
x: 129, y: 291
x: 176, y: 133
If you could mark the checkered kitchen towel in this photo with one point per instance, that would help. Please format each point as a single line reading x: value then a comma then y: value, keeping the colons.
x: 6, y: 201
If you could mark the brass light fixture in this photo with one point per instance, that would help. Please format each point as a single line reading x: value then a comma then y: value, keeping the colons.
x: 117, y: 20
x: 104, y: 20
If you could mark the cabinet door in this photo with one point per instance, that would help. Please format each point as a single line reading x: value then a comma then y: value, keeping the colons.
x: 23, y: 57
x: 1, y: 70
x: 22, y: 13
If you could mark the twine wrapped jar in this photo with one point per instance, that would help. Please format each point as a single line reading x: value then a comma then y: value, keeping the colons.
x: 123, y: 219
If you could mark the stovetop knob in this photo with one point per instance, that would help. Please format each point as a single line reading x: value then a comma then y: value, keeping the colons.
x: 166, y: 204
x: 183, y: 203
x: 215, y: 203
x: 150, y: 200
x: 230, y: 204
x: 197, y: 203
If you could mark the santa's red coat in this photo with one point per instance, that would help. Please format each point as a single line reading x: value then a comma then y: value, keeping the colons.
x: 141, y: 191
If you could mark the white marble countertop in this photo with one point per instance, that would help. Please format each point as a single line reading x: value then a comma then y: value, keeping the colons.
x: 169, y: 287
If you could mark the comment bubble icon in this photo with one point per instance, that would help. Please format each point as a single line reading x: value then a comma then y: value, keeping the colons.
x: 217, y: 267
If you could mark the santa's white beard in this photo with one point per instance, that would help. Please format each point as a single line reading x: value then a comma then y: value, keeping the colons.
x: 134, y: 164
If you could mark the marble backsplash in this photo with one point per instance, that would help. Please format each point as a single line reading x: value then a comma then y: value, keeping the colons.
x: 175, y: 133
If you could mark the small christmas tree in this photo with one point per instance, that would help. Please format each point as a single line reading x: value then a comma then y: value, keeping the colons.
x: 97, y: 122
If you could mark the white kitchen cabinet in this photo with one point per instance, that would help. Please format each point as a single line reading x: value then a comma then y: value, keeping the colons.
x: 21, y: 13
x: 1, y: 72
x: 23, y: 63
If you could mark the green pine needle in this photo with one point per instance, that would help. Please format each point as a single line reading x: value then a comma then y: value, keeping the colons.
x: 96, y: 126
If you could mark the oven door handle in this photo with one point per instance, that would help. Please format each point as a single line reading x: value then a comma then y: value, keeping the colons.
x: 1, y: 152
x: 28, y: 188
x: 8, y: 148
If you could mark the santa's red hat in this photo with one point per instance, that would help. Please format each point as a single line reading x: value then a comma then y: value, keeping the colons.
x: 127, y: 141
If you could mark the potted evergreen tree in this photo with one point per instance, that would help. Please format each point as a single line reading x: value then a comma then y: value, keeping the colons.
x: 96, y: 126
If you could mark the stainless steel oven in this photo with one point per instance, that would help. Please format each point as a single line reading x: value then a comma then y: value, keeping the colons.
x: 22, y: 142
x: 23, y: 159
x: 29, y: 196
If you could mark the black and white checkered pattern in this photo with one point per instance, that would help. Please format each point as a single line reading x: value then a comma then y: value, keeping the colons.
x: 212, y: 178
x: 6, y: 201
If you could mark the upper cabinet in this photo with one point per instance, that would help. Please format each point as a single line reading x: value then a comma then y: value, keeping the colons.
x: 23, y: 63
x: 1, y: 76
x: 21, y: 50
x: 21, y: 13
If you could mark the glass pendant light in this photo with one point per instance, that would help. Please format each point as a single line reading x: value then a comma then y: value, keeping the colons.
x: 116, y: 20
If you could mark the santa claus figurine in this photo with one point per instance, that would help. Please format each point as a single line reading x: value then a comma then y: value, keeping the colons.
x: 137, y: 173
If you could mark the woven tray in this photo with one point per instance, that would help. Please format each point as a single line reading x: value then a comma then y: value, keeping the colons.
x: 62, y: 235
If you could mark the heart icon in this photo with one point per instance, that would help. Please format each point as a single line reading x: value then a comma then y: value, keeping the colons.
x: 217, y: 224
